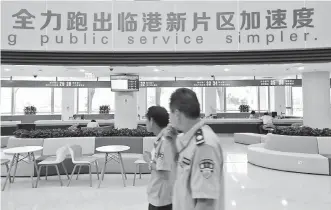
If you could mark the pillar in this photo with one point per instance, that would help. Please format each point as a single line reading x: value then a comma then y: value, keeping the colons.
x: 126, y: 115
x: 68, y: 103
x: 210, y: 101
x: 142, y: 102
x: 316, y: 99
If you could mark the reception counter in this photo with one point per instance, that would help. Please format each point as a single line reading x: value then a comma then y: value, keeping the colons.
x: 218, y: 125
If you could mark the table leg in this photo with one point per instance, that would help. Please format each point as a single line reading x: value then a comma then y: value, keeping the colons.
x: 97, y: 168
x: 35, y: 163
x: 32, y: 173
x: 16, y: 163
x: 105, y: 166
x: 8, y: 175
x: 103, y: 170
x: 122, y: 164
x: 122, y: 168
x: 46, y: 172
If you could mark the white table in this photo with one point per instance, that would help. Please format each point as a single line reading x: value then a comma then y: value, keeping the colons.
x: 113, y: 153
x: 26, y: 152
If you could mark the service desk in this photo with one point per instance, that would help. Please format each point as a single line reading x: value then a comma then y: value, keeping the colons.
x: 234, y: 125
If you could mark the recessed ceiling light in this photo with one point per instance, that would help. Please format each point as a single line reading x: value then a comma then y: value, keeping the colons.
x: 226, y: 69
x: 82, y: 70
x: 301, y: 68
x: 156, y: 70
x: 284, y: 202
x: 7, y: 69
x: 233, y: 203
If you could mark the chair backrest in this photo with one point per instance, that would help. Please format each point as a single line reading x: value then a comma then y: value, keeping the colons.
x: 76, y: 152
x: 61, y: 153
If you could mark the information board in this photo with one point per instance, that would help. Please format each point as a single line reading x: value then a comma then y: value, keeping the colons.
x: 220, y: 83
x: 55, y: 84
x: 131, y: 81
x: 136, y: 84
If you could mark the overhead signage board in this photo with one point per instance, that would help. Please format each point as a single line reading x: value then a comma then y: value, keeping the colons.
x: 220, y: 83
x: 135, y: 84
x: 164, y: 25
x: 131, y: 82
x: 55, y: 84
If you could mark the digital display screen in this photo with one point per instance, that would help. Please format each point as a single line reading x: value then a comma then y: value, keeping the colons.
x: 124, y: 83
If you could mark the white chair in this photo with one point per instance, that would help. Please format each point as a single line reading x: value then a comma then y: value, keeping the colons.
x: 61, y: 154
x: 138, y: 163
x: 79, y: 160
x: 5, y: 162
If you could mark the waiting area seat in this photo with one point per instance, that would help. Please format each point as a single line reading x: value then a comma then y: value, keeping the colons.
x: 137, y: 146
x: 292, y: 153
x: 248, y: 138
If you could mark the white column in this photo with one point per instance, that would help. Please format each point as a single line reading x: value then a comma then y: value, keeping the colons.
x: 126, y: 115
x: 316, y: 99
x: 142, y: 102
x: 68, y: 103
x: 210, y: 101
x: 279, y: 100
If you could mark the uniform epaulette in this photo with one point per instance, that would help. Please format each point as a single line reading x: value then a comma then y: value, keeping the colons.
x: 199, y: 138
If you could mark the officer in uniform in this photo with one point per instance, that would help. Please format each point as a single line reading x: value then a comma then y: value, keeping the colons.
x: 199, y: 180
x: 161, y: 160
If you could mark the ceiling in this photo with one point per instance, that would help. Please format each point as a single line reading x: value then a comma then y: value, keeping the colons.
x: 166, y: 72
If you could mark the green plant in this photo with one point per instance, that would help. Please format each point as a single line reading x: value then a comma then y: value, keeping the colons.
x: 94, y: 132
x: 104, y: 109
x: 302, y: 131
x: 244, y: 108
x: 30, y: 110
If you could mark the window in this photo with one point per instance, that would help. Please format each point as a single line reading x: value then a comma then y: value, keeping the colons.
x: 82, y: 100
x: 38, y: 97
x: 297, y: 101
x: 264, y: 97
x: 151, y: 97
x: 235, y: 96
x: 57, y: 100
x: 166, y: 93
x: 5, y: 102
x: 103, y: 96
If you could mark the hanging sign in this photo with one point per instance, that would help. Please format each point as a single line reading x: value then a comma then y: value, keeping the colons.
x: 146, y: 84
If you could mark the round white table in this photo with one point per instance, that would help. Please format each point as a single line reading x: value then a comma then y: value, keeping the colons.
x: 26, y: 152
x: 113, y: 153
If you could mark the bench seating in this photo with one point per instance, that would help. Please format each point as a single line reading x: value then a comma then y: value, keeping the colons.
x: 293, y: 154
x: 248, y: 138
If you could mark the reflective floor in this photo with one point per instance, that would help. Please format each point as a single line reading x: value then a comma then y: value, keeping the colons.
x: 247, y: 187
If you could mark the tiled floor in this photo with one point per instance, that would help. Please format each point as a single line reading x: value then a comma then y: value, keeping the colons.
x: 247, y: 187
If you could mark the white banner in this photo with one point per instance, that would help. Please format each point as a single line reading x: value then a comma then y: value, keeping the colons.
x: 164, y: 26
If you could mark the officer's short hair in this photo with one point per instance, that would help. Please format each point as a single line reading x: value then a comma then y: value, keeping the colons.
x: 159, y: 114
x: 185, y: 100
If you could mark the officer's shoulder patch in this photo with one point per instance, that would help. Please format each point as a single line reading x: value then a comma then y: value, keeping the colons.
x: 199, y: 138
x: 206, y: 167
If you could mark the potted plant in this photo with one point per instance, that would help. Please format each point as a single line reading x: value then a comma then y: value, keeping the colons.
x: 244, y: 108
x: 104, y: 109
x: 30, y: 110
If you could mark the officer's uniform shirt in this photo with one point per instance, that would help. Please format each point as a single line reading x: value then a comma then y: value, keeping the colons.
x: 199, y: 171
x: 160, y: 186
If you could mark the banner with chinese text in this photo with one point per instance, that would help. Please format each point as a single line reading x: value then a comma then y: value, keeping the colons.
x: 164, y: 26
